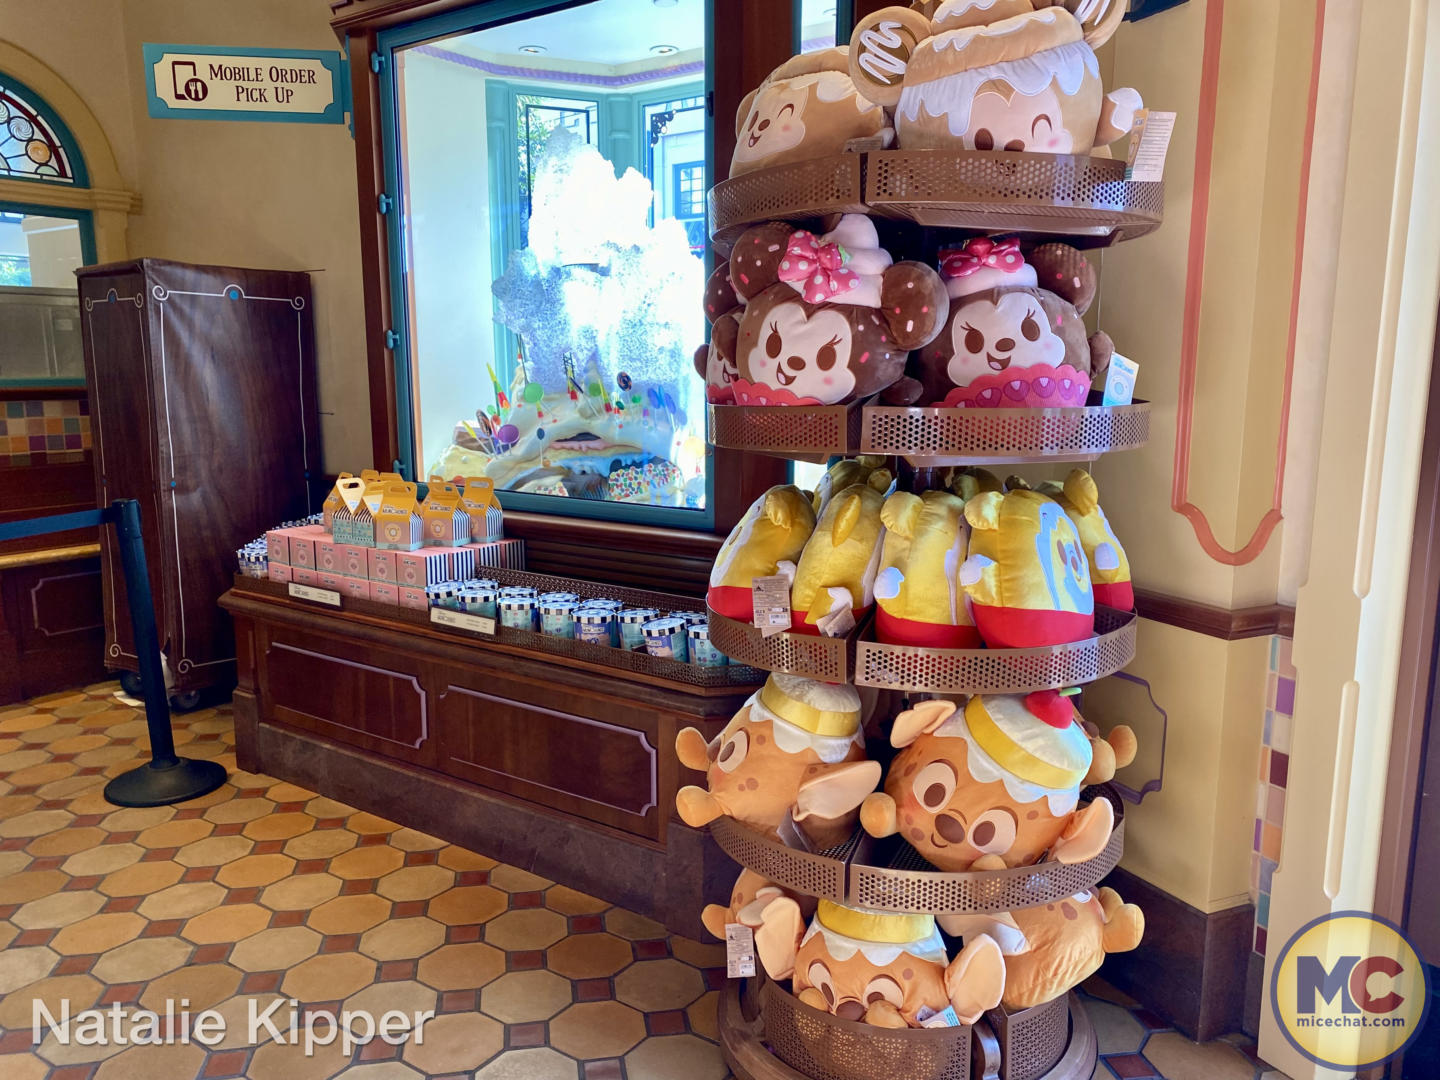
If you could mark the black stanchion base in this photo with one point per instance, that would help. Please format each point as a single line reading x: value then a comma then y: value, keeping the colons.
x: 153, y: 785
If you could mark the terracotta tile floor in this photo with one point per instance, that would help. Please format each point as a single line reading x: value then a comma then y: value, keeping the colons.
x: 264, y: 889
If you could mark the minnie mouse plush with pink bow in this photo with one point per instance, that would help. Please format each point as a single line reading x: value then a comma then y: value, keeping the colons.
x: 1015, y: 337
x: 817, y: 320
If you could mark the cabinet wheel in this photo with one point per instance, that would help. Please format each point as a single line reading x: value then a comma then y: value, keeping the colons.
x: 186, y: 701
x: 132, y: 684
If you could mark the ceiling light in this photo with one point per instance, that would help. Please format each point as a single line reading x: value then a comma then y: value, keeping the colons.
x: 534, y: 50
x: 663, y: 50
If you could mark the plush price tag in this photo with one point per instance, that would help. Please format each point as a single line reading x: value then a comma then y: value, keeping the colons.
x: 319, y: 596
x: 1149, y: 143
x: 739, y: 951
x: 1120, y: 380
x: 929, y: 1018
x: 477, y: 624
x: 771, y: 599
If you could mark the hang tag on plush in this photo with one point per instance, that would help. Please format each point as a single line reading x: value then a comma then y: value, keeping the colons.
x: 771, y: 599
x: 739, y: 951
x: 929, y: 1018
x: 1120, y: 380
x: 1149, y: 143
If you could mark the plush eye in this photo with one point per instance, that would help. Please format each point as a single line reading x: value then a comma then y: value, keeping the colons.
x: 1030, y: 328
x: 819, y: 976
x: 934, y: 785
x: 974, y: 340
x: 773, y: 343
x: 733, y: 752
x: 993, y: 832
x: 825, y: 358
x: 789, y: 107
x: 754, y: 116
x: 984, y: 140
x: 883, y: 988
x: 764, y: 124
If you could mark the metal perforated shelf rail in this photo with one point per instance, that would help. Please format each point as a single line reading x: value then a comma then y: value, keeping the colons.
x: 1033, y: 1040
x: 799, y: 432
x: 798, y: 192
x: 1000, y: 671
x: 934, y: 436
x: 824, y: 658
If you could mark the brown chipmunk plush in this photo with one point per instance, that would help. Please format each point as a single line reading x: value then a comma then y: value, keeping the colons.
x: 715, y: 361
x: 822, y: 320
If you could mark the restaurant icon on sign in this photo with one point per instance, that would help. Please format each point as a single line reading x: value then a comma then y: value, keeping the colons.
x: 187, y: 82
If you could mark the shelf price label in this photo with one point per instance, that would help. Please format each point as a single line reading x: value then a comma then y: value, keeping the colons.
x: 318, y: 596
x: 459, y: 620
x: 739, y: 951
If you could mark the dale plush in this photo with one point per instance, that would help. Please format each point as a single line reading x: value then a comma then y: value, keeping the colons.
x: 1027, y: 576
x: 806, y: 108
x: 998, y: 75
x: 826, y: 319
x: 1109, y: 565
x: 997, y: 783
x: 834, y: 583
x: 766, y: 541
x: 749, y: 897
x: 1015, y: 336
x: 795, y: 752
x: 879, y: 968
x: 715, y: 360
x: 918, y: 598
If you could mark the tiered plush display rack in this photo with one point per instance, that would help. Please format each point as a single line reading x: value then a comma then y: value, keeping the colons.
x: 766, y: 1033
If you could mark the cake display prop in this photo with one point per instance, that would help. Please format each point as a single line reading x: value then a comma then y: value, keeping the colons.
x: 996, y: 784
x: 918, y: 596
x: 768, y: 540
x: 806, y: 108
x: 1015, y: 337
x: 827, y: 319
x: 993, y: 75
x: 794, y: 753
x: 834, y: 582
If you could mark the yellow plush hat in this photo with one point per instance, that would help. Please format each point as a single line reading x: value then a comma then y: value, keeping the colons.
x: 1034, y: 739
x: 881, y: 927
x: 829, y: 709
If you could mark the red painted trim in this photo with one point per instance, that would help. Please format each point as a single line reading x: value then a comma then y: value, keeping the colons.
x: 1195, y: 278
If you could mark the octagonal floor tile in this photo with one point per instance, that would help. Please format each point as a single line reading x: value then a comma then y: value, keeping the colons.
x: 322, y: 808
x: 142, y: 960
x: 233, y: 922
x: 321, y: 844
x: 461, y: 859
x: 701, y: 954
x: 569, y: 901
x: 659, y: 985
x: 175, y: 833
x: 461, y: 967
x: 415, y: 840
x: 465, y: 905
x: 35, y: 823
x: 279, y: 826
x: 288, y: 1061
x: 525, y: 928
x: 404, y: 996
x: 702, y: 1015
x: 367, y: 862
x: 458, y: 1042
x: 328, y: 977
x: 403, y: 939
x: 589, y: 956
x: 182, y: 901
x: 203, y: 985
x: 301, y: 892
x: 141, y: 879
x: 98, y: 933
x: 369, y: 824
x: 237, y: 811
x: 537, y: 1063
x: 513, y: 879
x: 176, y: 1059
x: 254, y: 871
x: 81, y: 991
x: 67, y: 841
x: 214, y: 851
x: 415, y: 883
x: 597, y: 1029
x: 105, y: 859
x: 275, y: 950
x: 350, y: 914
x: 30, y: 885
x: 627, y: 924
x: 524, y: 997
x: 669, y: 1056
x: 61, y: 909
x: 20, y: 967
x: 137, y: 818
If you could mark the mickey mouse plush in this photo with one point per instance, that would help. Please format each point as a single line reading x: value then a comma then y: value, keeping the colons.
x: 819, y: 320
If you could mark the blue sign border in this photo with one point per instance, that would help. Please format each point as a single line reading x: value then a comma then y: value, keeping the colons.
x: 334, y: 62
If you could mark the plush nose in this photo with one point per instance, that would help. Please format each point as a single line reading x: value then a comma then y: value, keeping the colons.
x: 795, y: 363
x: 1015, y: 144
x: 950, y: 827
x: 1005, y: 344
x: 850, y: 1010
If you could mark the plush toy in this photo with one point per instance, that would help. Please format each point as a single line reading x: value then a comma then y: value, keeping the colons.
x: 827, y: 319
x: 794, y: 752
x: 715, y: 361
x: 867, y: 469
x: 917, y: 592
x: 1027, y: 576
x: 1052, y: 948
x: 970, y: 480
x: 1015, y: 337
x: 879, y: 968
x: 994, y: 75
x: 807, y: 108
x: 996, y: 784
x: 835, y: 579
x: 766, y: 541
x: 750, y: 896
x: 1109, y: 565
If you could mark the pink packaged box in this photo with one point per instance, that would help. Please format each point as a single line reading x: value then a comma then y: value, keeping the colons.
x: 428, y: 566
x: 498, y: 554
x: 384, y: 592
x: 332, y: 581
x: 353, y: 561
x: 383, y: 565
x: 355, y: 587
x: 278, y: 572
x: 328, y: 557
x: 302, y: 545
x: 303, y: 575
x: 411, y: 597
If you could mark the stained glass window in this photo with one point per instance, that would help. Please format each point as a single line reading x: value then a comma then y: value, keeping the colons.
x: 29, y: 147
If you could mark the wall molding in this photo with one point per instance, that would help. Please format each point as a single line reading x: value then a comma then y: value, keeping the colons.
x: 1227, y: 624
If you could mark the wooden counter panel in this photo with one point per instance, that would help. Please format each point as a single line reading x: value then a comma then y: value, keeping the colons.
x: 579, y: 754
x: 365, y: 697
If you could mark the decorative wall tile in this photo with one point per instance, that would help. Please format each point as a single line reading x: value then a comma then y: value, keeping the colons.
x: 1272, y: 780
x: 44, y: 431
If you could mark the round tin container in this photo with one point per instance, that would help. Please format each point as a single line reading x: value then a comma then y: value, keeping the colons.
x: 701, y: 651
x: 553, y: 597
x: 665, y: 637
x: 482, y: 583
x: 518, y: 590
x: 692, y: 618
x: 595, y: 625
x: 608, y: 605
x: 445, y: 594
x: 479, y: 600
x: 631, y: 619
x: 518, y: 612
x: 557, y: 618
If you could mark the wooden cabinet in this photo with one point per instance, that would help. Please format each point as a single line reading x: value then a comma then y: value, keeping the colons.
x: 202, y: 394
x: 50, y: 626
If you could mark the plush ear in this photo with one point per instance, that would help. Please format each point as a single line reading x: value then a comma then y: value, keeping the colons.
x: 778, y: 508
x: 752, y: 914
x: 1066, y: 272
x: 971, y: 481
x: 777, y: 941
x: 1119, y: 114
x: 1001, y: 926
x: 755, y: 261
x: 925, y: 717
x: 725, y: 336
x: 1017, y: 483
x: 877, y: 815
x: 1080, y: 489
x: 702, y: 360
x: 880, y: 479
x: 915, y: 304
x: 900, y: 513
x: 1124, y: 923
x: 714, y: 917
x: 720, y: 295
x: 1087, y: 834
x: 1102, y: 351
x: 693, y: 751
x: 697, y: 807
x: 744, y: 110
x: 975, y: 979
x: 836, y: 790
x: 983, y: 511
x: 1099, y: 18
x: 880, y: 51
x: 847, y: 508
x: 903, y: 391
x: 1113, y: 752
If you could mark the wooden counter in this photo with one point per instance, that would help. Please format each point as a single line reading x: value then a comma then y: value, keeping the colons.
x: 550, y: 763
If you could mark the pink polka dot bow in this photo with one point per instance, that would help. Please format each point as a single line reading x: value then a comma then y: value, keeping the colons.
x: 979, y: 253
x: 820, y: 267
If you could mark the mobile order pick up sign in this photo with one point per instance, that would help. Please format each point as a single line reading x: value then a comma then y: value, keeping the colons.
x: 211, y: 82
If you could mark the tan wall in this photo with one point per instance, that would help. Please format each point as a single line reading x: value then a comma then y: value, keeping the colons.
x: 246, y: 194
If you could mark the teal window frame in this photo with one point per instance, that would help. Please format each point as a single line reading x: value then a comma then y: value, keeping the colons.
x: 620, y: 119
x: 80, y: 180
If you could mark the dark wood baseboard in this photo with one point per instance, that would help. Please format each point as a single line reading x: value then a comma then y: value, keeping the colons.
x: 1191, y: 968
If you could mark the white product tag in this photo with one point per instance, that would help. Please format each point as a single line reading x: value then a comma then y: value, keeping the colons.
x: 1149, y: 143
x: 739, y: 951
x: 319, y: 596
x: 929, y: 1018
x: 1120, y: 381
x: 771, y: 599
x: 476, y: 624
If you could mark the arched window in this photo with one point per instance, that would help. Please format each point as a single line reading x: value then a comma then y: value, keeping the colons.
x: 34, y: 144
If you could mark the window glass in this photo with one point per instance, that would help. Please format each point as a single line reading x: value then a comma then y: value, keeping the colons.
x: 817, y: 25
x: 552, y: 183
x: 29, y: 147
x: 39, y: 312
